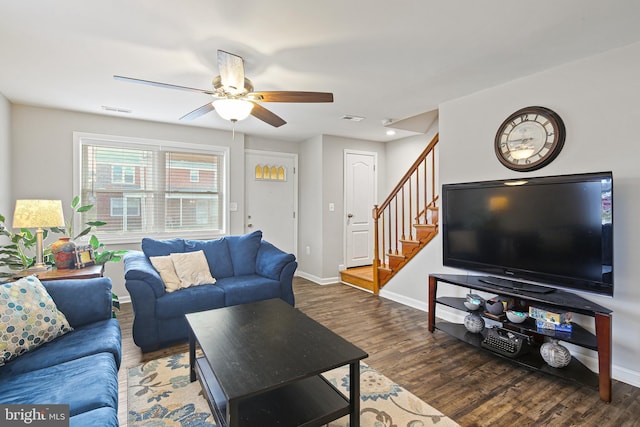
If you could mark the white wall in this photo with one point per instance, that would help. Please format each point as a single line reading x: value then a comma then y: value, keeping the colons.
x: 6, y: 202
x: 400, y: 155
x: 310, y: 209
x: 597, y: 99
x: 42, y: 151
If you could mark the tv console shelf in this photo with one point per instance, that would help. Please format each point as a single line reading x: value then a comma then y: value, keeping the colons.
x: 558, y: 299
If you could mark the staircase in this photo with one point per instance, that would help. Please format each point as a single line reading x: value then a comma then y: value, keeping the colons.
x: 403, y: 224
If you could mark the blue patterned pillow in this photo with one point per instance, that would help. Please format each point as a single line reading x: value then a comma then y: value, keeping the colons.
x: 28, y: 318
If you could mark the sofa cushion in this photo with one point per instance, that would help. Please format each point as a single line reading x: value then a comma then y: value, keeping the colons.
x: 244, y: 250
x: 98, y: 337
x: 197, y: 298
x: 217, y: 254
x: 164, y: 265
x: 192, y: 269
x: 84, y: 384
x: 153, y: 247
x: 29, y: 317
x: 250, y: 288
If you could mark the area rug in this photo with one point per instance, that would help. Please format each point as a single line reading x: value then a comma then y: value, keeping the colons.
x: 160, y: 395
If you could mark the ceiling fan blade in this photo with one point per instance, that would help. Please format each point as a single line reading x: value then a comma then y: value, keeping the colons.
x: 259, y: 112
x: 231, y: 71
x: 289, y: 96
x: 200, y: 111
x: 164, y: 85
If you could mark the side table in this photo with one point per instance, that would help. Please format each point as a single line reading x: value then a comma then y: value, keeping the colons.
x: 65, y: 274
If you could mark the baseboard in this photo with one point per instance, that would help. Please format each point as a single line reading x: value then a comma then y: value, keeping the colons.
x: 316, y: 279
x: 402, y: 299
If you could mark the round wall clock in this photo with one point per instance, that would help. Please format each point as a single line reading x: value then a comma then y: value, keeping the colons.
x: 529, y: 139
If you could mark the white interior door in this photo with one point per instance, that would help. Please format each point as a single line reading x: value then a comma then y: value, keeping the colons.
x: 360, y: 196
x: 271, y: 197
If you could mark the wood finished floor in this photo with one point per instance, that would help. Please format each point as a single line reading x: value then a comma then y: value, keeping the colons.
x: 471, y: 387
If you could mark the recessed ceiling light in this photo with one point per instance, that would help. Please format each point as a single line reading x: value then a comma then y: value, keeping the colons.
x: 391, y: 132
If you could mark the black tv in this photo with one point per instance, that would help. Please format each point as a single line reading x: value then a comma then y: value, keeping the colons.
x: 555, y: 231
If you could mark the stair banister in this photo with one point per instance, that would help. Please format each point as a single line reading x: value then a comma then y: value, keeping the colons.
x: 391, y: 239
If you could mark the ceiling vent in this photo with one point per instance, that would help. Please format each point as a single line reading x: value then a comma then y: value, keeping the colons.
x: 116, y: 109
x: 352, y: 118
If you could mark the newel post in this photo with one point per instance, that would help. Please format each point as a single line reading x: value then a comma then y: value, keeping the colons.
x: 376, y: 259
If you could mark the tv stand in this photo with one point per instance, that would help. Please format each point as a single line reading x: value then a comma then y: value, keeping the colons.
x: 516, y: 286
x: 559, y: 300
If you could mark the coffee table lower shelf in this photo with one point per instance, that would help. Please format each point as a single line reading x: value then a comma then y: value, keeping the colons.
x: 310, y: 402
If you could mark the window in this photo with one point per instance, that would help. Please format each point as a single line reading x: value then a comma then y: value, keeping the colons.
x: 143, y: 188
x: 121, y: 174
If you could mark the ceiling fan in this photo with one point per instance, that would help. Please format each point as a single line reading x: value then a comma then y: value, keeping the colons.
x: 234, y: 97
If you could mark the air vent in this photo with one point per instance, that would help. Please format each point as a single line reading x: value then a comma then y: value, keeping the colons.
x: 352, y: 118
x: 116, y: 109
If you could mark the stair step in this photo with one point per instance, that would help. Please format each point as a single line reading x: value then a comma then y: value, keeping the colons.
x: 395, y: 260
x: 408, y: 246
x: 425, y: 231
x: 361, y: 277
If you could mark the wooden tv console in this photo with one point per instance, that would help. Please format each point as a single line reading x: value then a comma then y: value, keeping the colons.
x: 559, y: 300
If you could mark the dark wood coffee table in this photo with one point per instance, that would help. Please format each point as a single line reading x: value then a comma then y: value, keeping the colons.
x: 262, y: 364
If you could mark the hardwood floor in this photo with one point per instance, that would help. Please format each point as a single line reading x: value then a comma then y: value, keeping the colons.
x: 471, y: 387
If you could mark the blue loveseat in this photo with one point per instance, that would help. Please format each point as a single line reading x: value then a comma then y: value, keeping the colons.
x: 245, y: 268
x: 79, y: 368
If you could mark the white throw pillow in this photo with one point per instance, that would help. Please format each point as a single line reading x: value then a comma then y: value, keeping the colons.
x: 164, y: 265
x: 192, y: 269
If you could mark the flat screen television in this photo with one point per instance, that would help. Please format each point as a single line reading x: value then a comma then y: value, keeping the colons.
x: 556, y: 231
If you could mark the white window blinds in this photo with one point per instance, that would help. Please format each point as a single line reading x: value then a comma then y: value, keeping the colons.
x: 149, y: 189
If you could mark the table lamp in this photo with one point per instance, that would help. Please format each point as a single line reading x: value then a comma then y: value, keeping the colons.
x: 38, y: 214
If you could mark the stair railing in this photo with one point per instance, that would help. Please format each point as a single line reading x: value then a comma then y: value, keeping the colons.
x: 412, y: 201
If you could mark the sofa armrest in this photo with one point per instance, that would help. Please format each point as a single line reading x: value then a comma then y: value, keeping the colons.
x: 271, y: 261
x: 138, y: 269
x: 82, y: 301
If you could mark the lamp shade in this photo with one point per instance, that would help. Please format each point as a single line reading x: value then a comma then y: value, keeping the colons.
x: 38, y: 214
x: 233, y: 109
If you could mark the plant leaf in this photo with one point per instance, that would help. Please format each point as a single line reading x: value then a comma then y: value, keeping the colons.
x: 84, y: 208
x: 75, y: 202
x: 96, y: 223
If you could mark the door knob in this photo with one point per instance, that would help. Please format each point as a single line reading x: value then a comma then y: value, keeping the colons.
x: 249, y: 225
x: 349, y: 215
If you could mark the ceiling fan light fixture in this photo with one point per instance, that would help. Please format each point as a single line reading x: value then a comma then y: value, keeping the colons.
x: 233, y: 109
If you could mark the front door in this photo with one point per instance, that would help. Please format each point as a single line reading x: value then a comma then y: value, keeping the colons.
x: 271, y: 197
x: 360, y: 196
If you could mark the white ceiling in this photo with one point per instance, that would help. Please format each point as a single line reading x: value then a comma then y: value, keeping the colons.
x: 381, y: 59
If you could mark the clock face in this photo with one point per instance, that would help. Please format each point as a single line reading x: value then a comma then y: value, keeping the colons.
x: 529, y: 139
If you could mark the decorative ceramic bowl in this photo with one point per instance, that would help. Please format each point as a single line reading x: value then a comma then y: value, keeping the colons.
x: 494, y: 306
x: 473, y: 302
x: 471, y: 305
x: 516, y: 316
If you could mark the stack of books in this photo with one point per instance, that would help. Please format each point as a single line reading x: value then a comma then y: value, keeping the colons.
x: 551, y: 319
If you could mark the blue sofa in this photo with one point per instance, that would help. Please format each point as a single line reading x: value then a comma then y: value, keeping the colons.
x: 80, y: 368
x: 246, y: 269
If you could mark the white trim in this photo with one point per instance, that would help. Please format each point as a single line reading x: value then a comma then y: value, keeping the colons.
x: 294, y: 157
x: 404, y: 300
x: 316, y: 279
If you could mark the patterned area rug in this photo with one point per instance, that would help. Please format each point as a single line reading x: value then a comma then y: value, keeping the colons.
x: 160, y: 395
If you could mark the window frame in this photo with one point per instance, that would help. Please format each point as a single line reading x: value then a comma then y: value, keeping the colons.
x: 81, y: 139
